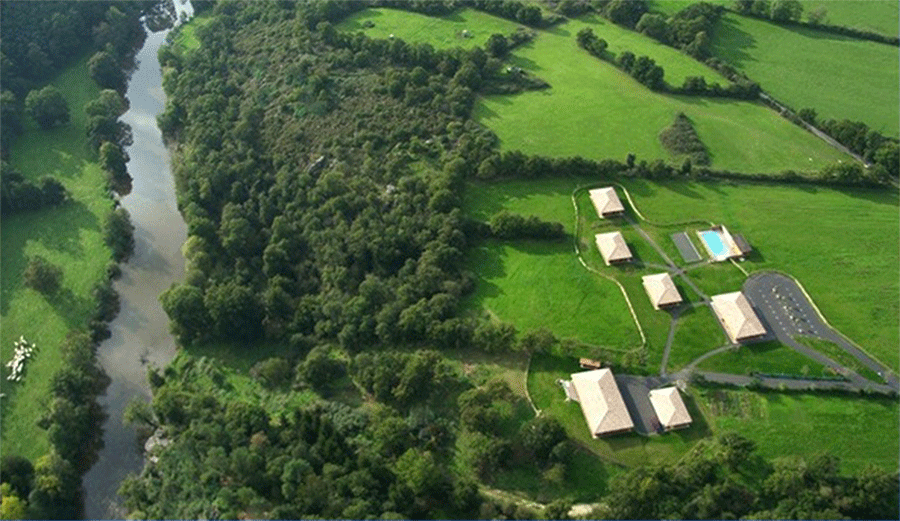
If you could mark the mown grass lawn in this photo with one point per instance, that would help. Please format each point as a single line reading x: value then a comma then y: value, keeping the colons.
x: 536, y: 284
x: 858, y: 430
x: 839, y: 76
x: 69, y: 236
x: 595, y: 111
x: 764, y: 357
x: 465, y: 28
x: 840, y: 244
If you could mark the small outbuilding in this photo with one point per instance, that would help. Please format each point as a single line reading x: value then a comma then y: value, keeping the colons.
x: 612, y: 247
x: 601, y: 402
x: 670, y: 408
x: 606, y: 202
x: 737, y: 317
x: 661, y: 290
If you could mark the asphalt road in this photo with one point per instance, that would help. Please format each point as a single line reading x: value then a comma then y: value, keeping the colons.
x: 787, y: 312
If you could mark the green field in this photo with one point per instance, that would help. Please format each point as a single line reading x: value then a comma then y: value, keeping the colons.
x: 764, y: 357
x: 465, y: 28
x: 828, y: 239
x: 69, y: 236
x: 600, y: 112
x: 857, y: 430
x: 852, y: 79
x: 537, y: 285
x: 677, y: 65
x: 879, y: 16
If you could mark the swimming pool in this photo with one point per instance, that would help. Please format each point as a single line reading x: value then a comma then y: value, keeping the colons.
x: 715, y: 244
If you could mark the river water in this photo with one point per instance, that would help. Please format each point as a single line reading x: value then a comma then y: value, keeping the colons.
x: 140, y: 333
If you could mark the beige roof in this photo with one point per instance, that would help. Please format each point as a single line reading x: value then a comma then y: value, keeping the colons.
x: 602, y: 405
x: 669, y: 407
x: 606, y: 201
x: 612, y: 246
x: 735, y: 313
x: 661, y: 290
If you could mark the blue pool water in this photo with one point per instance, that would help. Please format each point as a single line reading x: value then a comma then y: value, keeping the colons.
x: 714, y: 242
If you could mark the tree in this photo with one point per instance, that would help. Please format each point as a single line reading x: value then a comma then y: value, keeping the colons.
x: 321, y: 369
x: 42, y: 276
x: 112, y: 160
x: 808, y: 115
x: 118, y: 233
x: 541, y: 435
x: 11, y: 505
x: 786, y: 10
x: 497, y: 46
x: 17, y: 472
x: 105, y: 71
x: 47, y: 107
x: 625, y: 12
x: 654, y: 26
x: 189, y: 320
x: 817, y: 16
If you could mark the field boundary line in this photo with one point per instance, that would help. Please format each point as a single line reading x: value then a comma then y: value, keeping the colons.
x: 605, y: 276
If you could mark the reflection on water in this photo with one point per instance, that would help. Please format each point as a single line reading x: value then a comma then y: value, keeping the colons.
x: 140, y: 333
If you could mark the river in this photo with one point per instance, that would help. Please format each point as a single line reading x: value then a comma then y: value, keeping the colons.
x: 140, y: 333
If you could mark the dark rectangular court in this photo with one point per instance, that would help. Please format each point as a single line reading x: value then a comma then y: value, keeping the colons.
x: 685, y: 247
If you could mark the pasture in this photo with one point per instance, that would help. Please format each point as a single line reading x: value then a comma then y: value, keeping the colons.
x: 877, y: 16
x: 857, y: 430
x: 830, y: 240
x: 69, y: 236
x: 186, y: 35
x: 852, y: 79
x: 600, y: 112
x: 465, y: 28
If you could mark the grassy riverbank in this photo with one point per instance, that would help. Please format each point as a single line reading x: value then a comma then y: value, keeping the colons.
x: 69, y: 236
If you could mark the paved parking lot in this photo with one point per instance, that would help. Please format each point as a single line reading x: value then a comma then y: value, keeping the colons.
x: 636, y: 395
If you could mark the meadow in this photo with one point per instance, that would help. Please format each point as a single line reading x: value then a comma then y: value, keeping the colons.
x: 858, y: 430
x: 878, y: 16
x: 69, y: 236
x: 853, y: 79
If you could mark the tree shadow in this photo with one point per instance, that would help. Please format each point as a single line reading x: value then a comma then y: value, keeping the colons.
x: 72, y: 308
x: 736, y: 42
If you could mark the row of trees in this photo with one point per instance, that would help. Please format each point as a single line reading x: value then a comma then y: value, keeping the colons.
x: 688, y: 29
x: 20, y: 194
x: 874, y: 147
x: 790, y: 13
x: 644, y: 69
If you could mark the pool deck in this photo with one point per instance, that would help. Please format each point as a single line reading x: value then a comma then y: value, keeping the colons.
x: 731, y: 247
